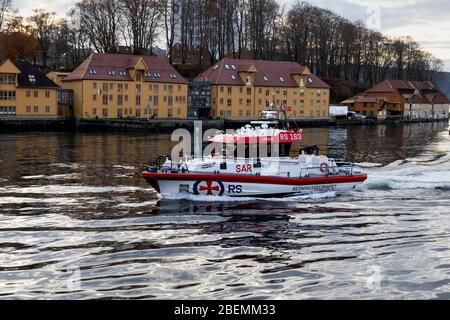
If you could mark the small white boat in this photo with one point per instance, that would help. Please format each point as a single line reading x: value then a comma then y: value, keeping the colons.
x: 267, y: 176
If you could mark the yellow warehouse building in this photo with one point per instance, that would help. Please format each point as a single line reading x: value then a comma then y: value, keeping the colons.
x: 116, y: 86
x: 242, y: 89
x: 26, y: 93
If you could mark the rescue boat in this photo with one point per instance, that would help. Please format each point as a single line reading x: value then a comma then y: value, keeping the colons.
x: 257, y: 171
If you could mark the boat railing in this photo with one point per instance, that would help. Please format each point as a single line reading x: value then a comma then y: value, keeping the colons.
x: 348, y: 170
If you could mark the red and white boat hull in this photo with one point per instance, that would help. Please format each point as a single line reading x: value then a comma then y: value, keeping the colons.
x: 247, y: 186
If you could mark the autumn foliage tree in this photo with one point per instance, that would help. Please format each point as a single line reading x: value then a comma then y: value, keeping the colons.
x: 18, y: 41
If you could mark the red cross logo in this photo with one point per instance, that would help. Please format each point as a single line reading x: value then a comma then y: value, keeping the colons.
x: 211, y: 187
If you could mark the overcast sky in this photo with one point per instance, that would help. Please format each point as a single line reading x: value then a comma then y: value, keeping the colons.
x: 427, y: 21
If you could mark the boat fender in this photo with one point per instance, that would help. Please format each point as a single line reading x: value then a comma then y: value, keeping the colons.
x: 324, y: 167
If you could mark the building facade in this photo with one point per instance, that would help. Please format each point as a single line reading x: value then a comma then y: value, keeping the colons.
x: 406, y: 99
x: 242, y: 89
x: 118, y: 86
x: 26, y: 93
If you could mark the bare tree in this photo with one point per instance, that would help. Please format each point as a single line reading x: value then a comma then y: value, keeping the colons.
x: 172, y: 17
x: 100, y: 20
x: 43, y: 25
x: 142, y: 20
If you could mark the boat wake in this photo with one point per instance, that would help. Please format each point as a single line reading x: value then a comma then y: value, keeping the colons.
x: 430, y: 170
x: 294, y: 198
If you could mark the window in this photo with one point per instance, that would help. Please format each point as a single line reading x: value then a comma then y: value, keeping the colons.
x: 7, y: 79
x: 233, y: 77
x: 249, y: 81
x: 227, y: 67
x: 120, y: 87
x: 36, y: 94
x: 285, y: 92
x: 302, y: 82
x: 281, y: 79
x: 105, y: 87
x: 94, y: 85
x: 155, y: 100
x: 28, y: 109
x: 249, y: 102
x: 94, y: 111
x: 249, y: 91
x: 233, y: 67
x: 105, y: 99
x: 138, y: 100
x: 47, y: 109
x: 170, y: 101
x: 138, y: 88
x: 229, y: 90
x: 221, y: 100
x: 266, y: 79
x: 32, y: 78
x: 36, y: 109
x: 7, y: 95
x: 111, y: 86
x: 94, y: 97
x: 215, y: 67
x: 119, y: 100
x: 221, y: 89
x: 92, y: 72
x: 241, y: 102
x: 47, y: 94
x: 170, y: 113
x: 138, y: 113
x: 111, y: 72
x: 138, y: 76
x: 229, y: 102
x: 28, y: 93
x: 267, y: 93
x: 111, y: 98
x: 105, y: 112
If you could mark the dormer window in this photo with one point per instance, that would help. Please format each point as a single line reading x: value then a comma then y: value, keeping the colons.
x: 281, y: 79
x: 32, y: 78
x: 233, y: 67
x: 266, y: 79
x: 111, y: 72
x: 233, y: 77
x: 249, y: 81
x: 92, y: 72
x: 227, y: 67
x: 310, y: 80
x: 302, y: 82
x: 215, y: 67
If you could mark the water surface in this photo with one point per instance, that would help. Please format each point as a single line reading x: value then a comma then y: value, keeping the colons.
x: 78, y: 222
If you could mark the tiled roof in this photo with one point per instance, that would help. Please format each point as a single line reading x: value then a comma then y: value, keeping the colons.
x: 31, y: 77
x: 116, y: 66
x: 268, y: 73
x: 421, y: 90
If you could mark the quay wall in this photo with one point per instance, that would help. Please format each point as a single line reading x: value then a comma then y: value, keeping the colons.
x: 9, y: 124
